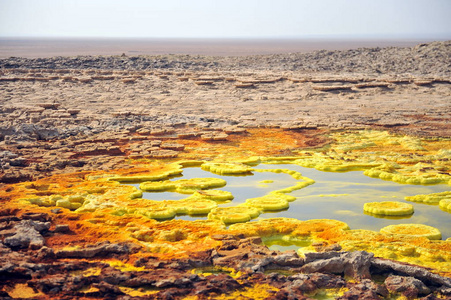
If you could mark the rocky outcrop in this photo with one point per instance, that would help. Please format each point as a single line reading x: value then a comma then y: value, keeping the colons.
x: 27, y: 234
x: 408, y: 286
x: 352, y: 264
x: 100, y: 250
x: 59, y: 274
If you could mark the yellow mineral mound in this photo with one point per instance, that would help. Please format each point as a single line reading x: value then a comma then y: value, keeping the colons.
x: 183, y: 186
x: 227, y: 168
x: 157, y: 210
x: 271, y: 202
x: 416, y: 230
x: 266, y: 227
x: 215, y: 195
x: 234, y: 214
x: 434, y: 198
x: 192, y: 206
x: 157, y: 186
x: 445, y: 204
x: 389, y: 208
x: 289, y: 229
x: 316, y: 226
x: 146, y: 177
x: 189, y: 186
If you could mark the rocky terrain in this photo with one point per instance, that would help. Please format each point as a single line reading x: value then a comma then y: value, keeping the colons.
x: 64, y: 115
x: 424, y: 59
x: 62, y: 274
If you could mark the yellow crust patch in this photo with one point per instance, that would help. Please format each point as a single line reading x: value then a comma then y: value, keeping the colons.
x: 256, y: 292
x: 434, y: 198
x: 445, y: 204
x: 271, y: 202
x: 234, y: 214
x: 390, y: 208
x: 416, y: 230
x: 183, y: 186
x: 226, y: 168
x: 215, y: 195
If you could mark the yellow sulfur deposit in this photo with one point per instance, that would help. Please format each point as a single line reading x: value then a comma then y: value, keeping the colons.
x: 445, y: 204
x: 257, y: 292
x: 268, y: 202
x: 157, y: 186
x: 151, y: 209
x: 189, y: 186
x: 227, y: 168
x: 415, y: 250
x: 402, y: 159
x: 183, y: 186
x: 216, y: 195
x: 434, y: 198
x: 390, y: 208
x: 98, y: 207
x: 416, y: 230
x: 149, y: 177
x: 234, y: 214
x: 192, y: 206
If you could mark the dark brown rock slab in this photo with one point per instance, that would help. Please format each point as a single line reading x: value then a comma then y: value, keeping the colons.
x: 423, y: 274
x: 104, y: 249
x: 365, y: 289
x: 352, y: 264
x: 408, y: 286
x: 27, y: 234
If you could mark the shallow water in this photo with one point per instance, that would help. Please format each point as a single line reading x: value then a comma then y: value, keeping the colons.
x: 338, y: 196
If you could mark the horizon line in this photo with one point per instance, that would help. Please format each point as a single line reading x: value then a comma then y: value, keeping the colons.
x: 309, y: 37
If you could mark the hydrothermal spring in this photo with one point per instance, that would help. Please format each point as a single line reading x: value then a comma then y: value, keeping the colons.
x: 334, y: 195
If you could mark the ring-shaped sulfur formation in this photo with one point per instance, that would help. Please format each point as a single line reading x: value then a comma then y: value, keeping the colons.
x: 430, y: 198
x: 192, y: 206
x: 234, y: 214
x: 215, y: 195
x: 226, y: 168
x: 445, y: 204
x: 416, y: 230
x: 389, y: 208
x: 269, y: 202
x: 189, y: 186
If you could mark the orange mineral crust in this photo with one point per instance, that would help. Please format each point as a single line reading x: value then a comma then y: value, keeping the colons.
x: 101, y: 222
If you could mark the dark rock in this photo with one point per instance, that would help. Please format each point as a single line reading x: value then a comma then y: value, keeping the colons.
x: 314, y: 281
x: 107, y: 290
x: 95, y: 251
x: 366, y: 289
x: 217, y: 284
x: 56, y: 210
x: 42, y: 217
x: 407, y: 286
x: 388, y: 266
x: 27, y: 235
x: 353, y: 264
x: 45, y: 253
x: 62, y: 228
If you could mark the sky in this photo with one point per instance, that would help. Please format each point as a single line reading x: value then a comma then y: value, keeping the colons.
x: 226, y: 18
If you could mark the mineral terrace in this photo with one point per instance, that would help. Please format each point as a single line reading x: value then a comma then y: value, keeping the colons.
x: 75, y: 131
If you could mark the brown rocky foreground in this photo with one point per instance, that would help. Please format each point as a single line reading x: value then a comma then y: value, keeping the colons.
x: 67, y: 115
x: 29, y: 269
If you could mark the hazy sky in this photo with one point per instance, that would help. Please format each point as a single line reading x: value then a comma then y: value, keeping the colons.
x: 226, y: 18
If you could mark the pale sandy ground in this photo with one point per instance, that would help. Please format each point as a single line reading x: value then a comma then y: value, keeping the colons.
x: 176, y: 98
